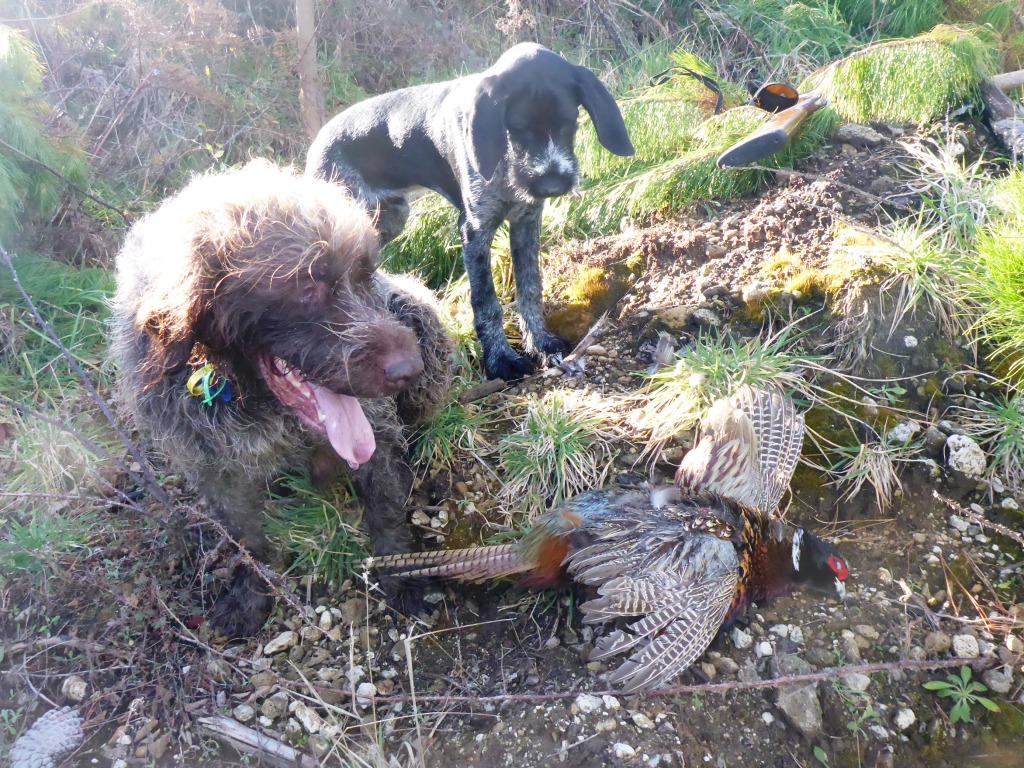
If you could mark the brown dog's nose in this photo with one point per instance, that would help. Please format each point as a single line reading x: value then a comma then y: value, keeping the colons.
x: 400, y: 370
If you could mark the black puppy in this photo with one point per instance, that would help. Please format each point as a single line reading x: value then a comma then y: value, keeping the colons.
x: 495, y: 144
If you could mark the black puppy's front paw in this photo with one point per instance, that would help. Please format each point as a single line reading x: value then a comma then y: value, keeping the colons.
x: 509, y: 366
x: 551, y: 345
x: 243, y: 608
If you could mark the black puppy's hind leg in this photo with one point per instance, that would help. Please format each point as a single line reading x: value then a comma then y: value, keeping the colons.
x: 238, y: 501
x: 500, y: 360
x: 524, y: 234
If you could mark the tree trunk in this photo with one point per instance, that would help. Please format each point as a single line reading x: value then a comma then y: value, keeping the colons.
x: 311, y: 97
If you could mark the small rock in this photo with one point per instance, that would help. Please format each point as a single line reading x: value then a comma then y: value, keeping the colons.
x: 866, y: 630
x: 282, y: 642
x: 74, y: 688
x: 587, y: 703
x: 741, y: 639
x: 903, y: 432
x: 276, y: 706
x: 858, y: 682
x: 905, y: 718
x: 311, y: 634
x: 763, y: 649
x: 748, y: 672
x: 310, y: 720
x: 726, y: 666
x: 859, y: 135
x: 910, y: 342
x: 623, y: 751
x: 365, y: 693
x: 326, y: 621
x: 1009, y: 503
x: 934, y: 441
x: 997, y: 680
x: 709, y: 670
x: 965, y: 455
x: 754, y: 293
x: 958, y: 523
x: 884, y: 576
x: 243, y: 713
x: 849, y: 648
x: 937, y: 642
x: 767, y: 718
x: 1014, y: 644
x: 610, y: 703
x: 966, y: 647
x: 917, y: 653
x: 642, y: 721
x: 799, y: 703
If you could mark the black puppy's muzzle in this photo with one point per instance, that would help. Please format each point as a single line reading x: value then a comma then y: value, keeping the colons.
x: 552, y: 184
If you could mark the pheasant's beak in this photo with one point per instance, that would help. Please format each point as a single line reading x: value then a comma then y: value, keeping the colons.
x: 841, y: 589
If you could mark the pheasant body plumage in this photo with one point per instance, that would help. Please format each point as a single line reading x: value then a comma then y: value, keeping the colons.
x: 677, y: 563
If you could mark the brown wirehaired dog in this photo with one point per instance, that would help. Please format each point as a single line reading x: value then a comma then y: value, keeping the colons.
x: 251, y: 331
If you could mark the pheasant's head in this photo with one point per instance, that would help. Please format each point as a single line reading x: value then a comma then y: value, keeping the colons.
x: 818, y: 564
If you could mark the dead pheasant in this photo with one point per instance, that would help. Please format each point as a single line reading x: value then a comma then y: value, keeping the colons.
x: 682, y: 561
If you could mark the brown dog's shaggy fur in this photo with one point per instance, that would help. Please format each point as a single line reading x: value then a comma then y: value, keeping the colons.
x: 271, y: 278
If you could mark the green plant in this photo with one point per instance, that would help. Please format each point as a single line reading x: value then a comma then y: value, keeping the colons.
x: 41, y: 541
x: 891, y: 18
x: 455, y: 429
x: 26, y: 187
x: 430, y: 246
x: 558, y: 448
x: 873, y: 463
x: 821, y: 756
x: 310, y: 526
x: 965, y: 694
x: 999, y: 426
x: 677, y: 395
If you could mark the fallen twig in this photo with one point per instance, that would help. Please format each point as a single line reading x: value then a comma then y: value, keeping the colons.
x: 481, y: 390
x: 981, y: 520
x: 252, y: 742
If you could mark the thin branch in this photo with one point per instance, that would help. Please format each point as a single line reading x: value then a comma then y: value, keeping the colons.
x: 830, y: 673
x: 64, y: 179
x: 981, y: 520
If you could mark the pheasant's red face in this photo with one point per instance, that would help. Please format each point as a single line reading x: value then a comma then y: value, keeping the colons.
x: 838, y: 566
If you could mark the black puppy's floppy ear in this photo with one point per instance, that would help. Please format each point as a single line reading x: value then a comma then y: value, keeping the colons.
x: 488, y: 137
x: 604, y: 112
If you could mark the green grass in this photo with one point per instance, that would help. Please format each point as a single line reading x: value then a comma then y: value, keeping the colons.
x: 310, y: 527
x: 917, y: 80
x: 998, y: 425
x: 456, y: 430
x: 813, y: 30
x: 561, y: 446
x: 891, y: 18
x: 430, y: 245
x: 671, y: 186
x: 677, y: 396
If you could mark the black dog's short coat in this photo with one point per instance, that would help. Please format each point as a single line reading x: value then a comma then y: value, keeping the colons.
x: 495, y: 144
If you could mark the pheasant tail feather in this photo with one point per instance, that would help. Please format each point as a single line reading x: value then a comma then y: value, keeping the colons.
x: 470, y: 564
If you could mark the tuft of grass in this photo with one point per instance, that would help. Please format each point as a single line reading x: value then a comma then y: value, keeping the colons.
x: 873, y: 463
x: 560, y: 447
x: 668, y: 187
x: 917, y: 80
x: 430, y: 246
x: 891, y: 18
x: 999, y: 427
x: 456, y: 430
x: 39, y: 542
x: 812, y: 30
x: 993, y: 280
x: 677, y: 396
x: 312, y: 529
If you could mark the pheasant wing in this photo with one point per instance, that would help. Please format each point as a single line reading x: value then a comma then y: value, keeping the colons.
x: 780, y: 436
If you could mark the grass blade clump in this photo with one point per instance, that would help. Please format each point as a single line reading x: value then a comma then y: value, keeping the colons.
x: 908, y: 81
x: 891, y: 18
x: 814, y: 30
x: 310, y: 527
x: 669, y: 187
x: 999, y: 427
x: 430, y: 246
x: 455, y: 430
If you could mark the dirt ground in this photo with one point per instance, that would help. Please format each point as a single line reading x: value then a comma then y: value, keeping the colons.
x: 920, y: 573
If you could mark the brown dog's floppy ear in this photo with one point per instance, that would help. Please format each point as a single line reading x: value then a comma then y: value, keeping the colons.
x: 604, y: 112
x: 488, y: 137
x: 169, y: 322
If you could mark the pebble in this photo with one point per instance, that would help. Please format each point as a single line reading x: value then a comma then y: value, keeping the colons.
x: 866, y: 630
x: 767, y: 718
x: 310, y: 720
x: 763, y: 649
x: 587, y: 703
x: 74, y: 688
x: 1009, y: 503
x: 917, y: 653
x: 858, y: 135
x: 623, y: 751
x: 934, y: 440
x: 276, y: 706
x: 849, y: 648
x: 966, y: 456
x: 858, y: 682
x: 282, y: 642
x: 799, y: 703
x: 642, y: 721
x: 910, y: 342
x: 1014, y: 644
x: 610, y: 703
x: 903, y: 432
x: 243, y: 713
x: 326, y: 621
x: 966, y: 647
x: 997, y: 680
x: 741, y: 639
x: 937, y: 642
x: 905, y: 718
x: 365, y: 693
x: 726, y: 666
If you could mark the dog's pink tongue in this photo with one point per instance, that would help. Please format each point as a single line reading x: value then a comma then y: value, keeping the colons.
x: 347, y: 428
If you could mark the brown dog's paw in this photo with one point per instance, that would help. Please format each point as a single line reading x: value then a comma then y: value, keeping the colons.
x: 243, y: 608
x: 404, y: 596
